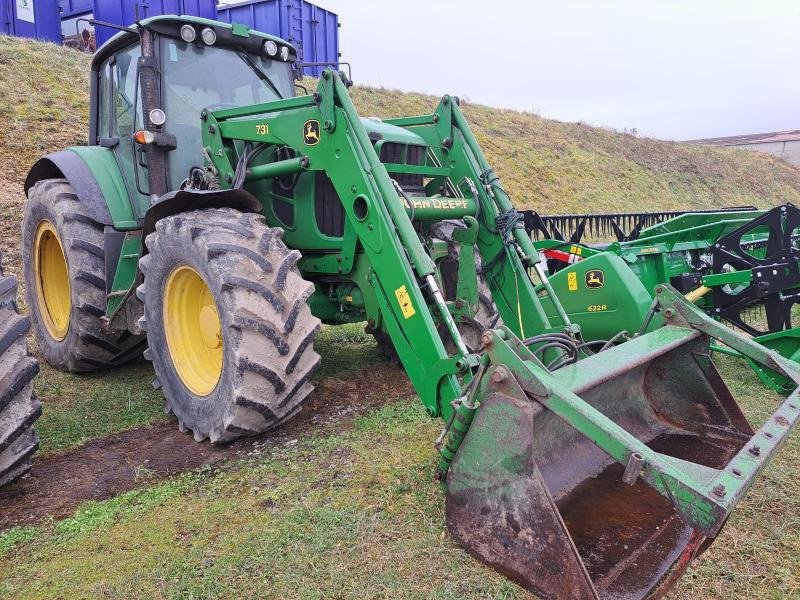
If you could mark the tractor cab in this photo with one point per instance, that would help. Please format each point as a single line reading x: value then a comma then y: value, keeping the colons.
x: 152, y: 85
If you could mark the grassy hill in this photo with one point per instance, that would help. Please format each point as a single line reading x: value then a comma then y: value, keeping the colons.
x: 546, y: 165
x: 350, y: 511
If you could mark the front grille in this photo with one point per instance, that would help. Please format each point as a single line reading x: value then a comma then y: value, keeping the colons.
x: 327, y: 207
x: 283, y: 210
x: 392, y: 152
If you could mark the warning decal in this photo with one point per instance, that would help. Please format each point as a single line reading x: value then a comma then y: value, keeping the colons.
x: 405, y: 302
x: 572, y: 281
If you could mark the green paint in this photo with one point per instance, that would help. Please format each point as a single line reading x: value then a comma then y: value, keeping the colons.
x: 378, y: 268
x: 103, y: 165
x: 127, y: 268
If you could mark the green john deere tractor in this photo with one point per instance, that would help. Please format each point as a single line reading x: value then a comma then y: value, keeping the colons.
x: 217, y: 218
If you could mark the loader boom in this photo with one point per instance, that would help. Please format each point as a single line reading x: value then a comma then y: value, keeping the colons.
x: 382, y: 230
x: 380, y: 220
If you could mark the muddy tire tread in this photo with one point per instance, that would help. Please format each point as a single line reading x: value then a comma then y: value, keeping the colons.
x: 268, y: 326
x: 87, y: 347
x: 19, y: 406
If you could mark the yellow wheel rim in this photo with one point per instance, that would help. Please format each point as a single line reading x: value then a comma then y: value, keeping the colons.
x: 193, y: 330
x: 52, y: 280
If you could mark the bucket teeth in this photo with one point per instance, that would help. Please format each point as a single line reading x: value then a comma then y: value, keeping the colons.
x: 182, y: 428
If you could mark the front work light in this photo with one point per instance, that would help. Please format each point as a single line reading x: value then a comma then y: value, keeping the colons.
x: 157, y: 117
x: 271, y: 48
x: 188, y: 34
x: 209, y: 36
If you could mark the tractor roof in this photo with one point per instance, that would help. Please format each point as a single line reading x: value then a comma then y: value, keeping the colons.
x: 227, y: 34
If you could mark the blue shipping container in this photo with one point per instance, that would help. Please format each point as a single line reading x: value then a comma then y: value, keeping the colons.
x: 31, y: 18
x: 314, y: 31
x: 124, y: 12
x: 76, y: 7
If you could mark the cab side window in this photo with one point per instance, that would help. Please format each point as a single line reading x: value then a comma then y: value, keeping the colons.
x: 120, y: 116
x: 103, y: 113
x: 126, y: 95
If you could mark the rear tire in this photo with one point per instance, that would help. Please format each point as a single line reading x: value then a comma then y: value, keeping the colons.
x: 19, y: 407
x: 80, y: 345
x: 263, y: 357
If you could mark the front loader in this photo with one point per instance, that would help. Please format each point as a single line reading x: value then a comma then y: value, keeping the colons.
x: 221, y: 218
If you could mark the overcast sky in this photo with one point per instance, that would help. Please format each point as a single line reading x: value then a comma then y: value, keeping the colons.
x: 673, y: 69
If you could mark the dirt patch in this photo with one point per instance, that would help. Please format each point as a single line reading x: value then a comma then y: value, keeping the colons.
x: 105, y: 467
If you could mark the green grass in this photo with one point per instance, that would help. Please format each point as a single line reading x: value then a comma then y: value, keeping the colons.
x: 354, y: 515
x: 350, y: 515
x: 78, y: 408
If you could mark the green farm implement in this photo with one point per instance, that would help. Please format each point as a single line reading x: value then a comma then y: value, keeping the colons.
x: 217, y: 219
x: 741, y: 266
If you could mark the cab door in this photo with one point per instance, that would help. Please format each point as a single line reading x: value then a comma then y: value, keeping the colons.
x: 119, y: 118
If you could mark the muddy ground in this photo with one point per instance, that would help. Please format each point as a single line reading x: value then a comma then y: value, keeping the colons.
x: 105, y: 467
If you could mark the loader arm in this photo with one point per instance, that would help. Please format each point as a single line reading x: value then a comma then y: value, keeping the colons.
x: 380, y: 226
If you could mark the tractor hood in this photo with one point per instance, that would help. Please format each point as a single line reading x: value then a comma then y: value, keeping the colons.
x: 378, y: 130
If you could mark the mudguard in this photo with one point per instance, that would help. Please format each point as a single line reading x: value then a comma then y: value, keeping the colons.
x: 173, y: 203
x: 93, y: 173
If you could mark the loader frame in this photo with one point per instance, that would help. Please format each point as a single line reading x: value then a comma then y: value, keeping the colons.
x: 362, y: 178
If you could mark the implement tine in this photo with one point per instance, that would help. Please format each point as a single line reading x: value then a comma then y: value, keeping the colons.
x: 618, y: 231
x: 602, y: 224
x: 576, y: 236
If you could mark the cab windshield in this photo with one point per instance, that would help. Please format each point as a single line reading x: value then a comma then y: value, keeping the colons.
x: 197, y: 76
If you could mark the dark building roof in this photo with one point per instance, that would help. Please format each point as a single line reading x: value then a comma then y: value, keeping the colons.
x: 753, y: 138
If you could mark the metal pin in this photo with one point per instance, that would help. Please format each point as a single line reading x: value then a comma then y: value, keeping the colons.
x: 633, y: 469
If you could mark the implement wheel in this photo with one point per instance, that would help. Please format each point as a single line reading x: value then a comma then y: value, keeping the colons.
x: 65, y: 282
x: 19, y: 407
x: 229, y: 329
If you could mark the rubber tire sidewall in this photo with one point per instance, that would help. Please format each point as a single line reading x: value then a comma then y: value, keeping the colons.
x: 56, y: 352
x: 204, y: 412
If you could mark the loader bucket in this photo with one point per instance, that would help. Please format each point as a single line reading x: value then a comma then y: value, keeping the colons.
x: 605, y: 479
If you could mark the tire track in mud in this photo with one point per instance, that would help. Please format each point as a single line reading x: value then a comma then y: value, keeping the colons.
x: 105, y: 467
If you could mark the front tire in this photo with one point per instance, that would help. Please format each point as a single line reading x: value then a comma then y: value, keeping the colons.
x: 65, y: 282
x: 229, y: 329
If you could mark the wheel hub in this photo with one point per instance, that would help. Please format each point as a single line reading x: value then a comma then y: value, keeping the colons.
x: 210, y: 327
x: 193, y: 330
x: 52, y: 281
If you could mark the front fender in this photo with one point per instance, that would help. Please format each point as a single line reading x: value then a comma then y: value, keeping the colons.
x: 93, y: 173
x: 181, y: 201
